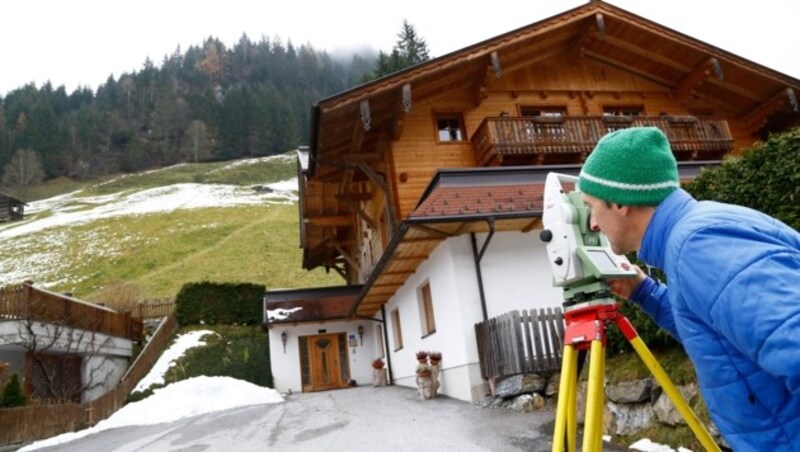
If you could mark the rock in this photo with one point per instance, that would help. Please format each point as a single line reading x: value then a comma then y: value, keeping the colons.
x: 627, y: 418
x: 523, y: 403
x: 630, y: 391
x: 552, y: 385
x: 519, y: 384
x: 665, y: 410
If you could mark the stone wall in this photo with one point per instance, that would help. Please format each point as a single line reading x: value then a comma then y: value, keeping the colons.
x: 630, y: 406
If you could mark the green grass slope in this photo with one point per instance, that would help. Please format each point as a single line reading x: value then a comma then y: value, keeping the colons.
x: 156, y: 253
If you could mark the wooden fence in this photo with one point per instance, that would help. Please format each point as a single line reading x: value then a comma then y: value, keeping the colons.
x: 153, y: 308
x: 30, y: 423
x: 520, y: 342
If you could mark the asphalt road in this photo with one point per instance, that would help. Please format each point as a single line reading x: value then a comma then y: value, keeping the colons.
x: 355, y: 419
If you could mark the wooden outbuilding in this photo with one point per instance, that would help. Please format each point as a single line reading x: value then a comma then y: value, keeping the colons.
x: 11, y: 208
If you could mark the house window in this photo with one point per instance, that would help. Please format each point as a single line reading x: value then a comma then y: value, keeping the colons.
x: 636, y: 110
x: 450, y: 127
x: 396, y: 331
x: 546, y: 112
x: 379, y: 339
x: 426, y: 310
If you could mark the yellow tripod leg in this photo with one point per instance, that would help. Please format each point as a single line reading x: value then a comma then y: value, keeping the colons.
x: 683, y: 408
x: 593, y: 427
x: 572, y: 411
x: 566, y: 388
x: 598, y: 439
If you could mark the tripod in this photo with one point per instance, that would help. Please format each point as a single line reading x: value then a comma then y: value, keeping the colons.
x: 586, y: 329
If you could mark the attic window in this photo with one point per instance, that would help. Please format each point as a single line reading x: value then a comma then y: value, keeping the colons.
x: 547, y: 112
x: 449, y: 127
x: 636, y: 110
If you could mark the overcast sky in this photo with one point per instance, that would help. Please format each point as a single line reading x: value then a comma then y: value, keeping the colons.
x: 81, y: 42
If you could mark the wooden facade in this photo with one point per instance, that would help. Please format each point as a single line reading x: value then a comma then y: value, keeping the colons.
x: 540, y: 95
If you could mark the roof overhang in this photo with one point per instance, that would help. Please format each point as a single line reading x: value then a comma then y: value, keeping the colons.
x: 293, y: 306
x: 464, y: 201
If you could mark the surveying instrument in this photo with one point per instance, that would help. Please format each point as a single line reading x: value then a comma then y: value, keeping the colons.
x: 582, y: 261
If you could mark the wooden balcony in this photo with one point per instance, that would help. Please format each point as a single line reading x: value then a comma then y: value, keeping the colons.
x: 553, y: 140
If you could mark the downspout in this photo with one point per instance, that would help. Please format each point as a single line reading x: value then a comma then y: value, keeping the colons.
x: 478, y: 256
x: 386, y: 344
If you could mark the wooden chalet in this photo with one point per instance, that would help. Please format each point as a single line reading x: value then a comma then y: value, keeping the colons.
x: 445, y: 157
x: 11, y: 208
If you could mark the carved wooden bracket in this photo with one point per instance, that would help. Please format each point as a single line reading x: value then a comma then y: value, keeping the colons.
x: 759, y: 116
x: 495, y: 64
x: 366, y: 118
x: 697, y: 77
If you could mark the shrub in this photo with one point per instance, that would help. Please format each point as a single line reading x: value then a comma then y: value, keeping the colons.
x: 12, y: 394
x: 237, y: 352
x: 225, y: 303
x: 766, y: 177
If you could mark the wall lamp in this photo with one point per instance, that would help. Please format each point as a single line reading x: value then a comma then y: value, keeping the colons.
x: 361, y: 334
x: 284, y: 338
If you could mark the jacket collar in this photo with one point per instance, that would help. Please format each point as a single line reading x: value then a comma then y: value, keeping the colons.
x: 666, y: 216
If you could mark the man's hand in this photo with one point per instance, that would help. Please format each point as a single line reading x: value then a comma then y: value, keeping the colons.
x: 624, y: 287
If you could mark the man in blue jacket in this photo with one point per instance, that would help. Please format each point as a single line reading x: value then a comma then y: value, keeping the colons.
x: 733, y: 298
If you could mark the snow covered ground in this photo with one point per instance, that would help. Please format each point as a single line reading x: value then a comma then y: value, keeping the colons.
x: 185, y: 398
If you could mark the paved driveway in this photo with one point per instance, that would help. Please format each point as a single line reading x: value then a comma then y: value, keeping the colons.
x: 355, y: 419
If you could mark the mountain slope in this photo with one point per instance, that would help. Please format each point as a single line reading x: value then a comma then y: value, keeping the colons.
x: 157, y: 230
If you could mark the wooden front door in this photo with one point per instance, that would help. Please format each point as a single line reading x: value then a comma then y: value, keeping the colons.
x: 327, y: 362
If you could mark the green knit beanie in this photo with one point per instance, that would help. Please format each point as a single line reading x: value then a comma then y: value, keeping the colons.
x: 631, y: 167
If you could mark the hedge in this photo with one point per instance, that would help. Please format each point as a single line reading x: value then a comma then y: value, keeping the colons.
x: 220, y: 303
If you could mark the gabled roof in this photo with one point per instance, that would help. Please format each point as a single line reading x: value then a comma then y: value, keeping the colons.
x: 18, y: 201
x: 595, y: 31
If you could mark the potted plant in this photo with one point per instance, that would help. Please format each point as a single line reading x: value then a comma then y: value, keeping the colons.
x: 379, y: 377
x: 435, y: 357
x: 422, y: 357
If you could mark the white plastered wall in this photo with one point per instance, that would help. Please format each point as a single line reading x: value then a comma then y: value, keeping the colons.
x: 516, y: 276
x: 286, y: 365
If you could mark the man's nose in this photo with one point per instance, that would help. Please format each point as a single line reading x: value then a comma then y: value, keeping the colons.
x: 593, y: 226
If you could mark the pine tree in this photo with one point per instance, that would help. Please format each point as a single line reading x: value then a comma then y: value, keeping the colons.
x: 410, y: 50
x: 12, y: 394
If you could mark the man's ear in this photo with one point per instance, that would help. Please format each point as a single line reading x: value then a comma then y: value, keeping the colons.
x: 624, y: 210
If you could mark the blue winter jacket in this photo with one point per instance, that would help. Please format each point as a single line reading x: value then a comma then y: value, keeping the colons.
x: 733, y: 301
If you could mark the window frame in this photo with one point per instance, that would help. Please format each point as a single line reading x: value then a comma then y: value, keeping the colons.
x: 545, y: 111
x: 427, y: 315
x: 437, y: 116
x: 379, y: 338
x: 397, y: 330
x: 623, y: 110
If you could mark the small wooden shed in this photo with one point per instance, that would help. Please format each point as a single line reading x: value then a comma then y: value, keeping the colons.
x: 11, y: 208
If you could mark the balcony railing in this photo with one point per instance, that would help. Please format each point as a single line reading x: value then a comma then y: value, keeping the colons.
x: 538, y: 140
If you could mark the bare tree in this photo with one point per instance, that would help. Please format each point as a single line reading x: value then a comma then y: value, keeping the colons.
x: 197, y: 144
x: 24, y: 170
x: 66, y: 357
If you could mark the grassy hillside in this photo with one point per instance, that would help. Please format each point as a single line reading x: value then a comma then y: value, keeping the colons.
x: 92, y: 249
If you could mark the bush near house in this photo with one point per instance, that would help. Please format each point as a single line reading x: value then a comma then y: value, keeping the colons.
x: 12, y: 395
x: 220, y: 303
x: 766, y: 177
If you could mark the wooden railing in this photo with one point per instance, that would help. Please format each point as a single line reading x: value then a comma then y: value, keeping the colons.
x: 534, y: 139
x: 25, y: 302
x: 520, y: 342
x: 30, y: 423
x: 151, y: 308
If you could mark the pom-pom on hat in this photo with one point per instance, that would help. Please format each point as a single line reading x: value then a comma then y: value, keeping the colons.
x: 631, y: 167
